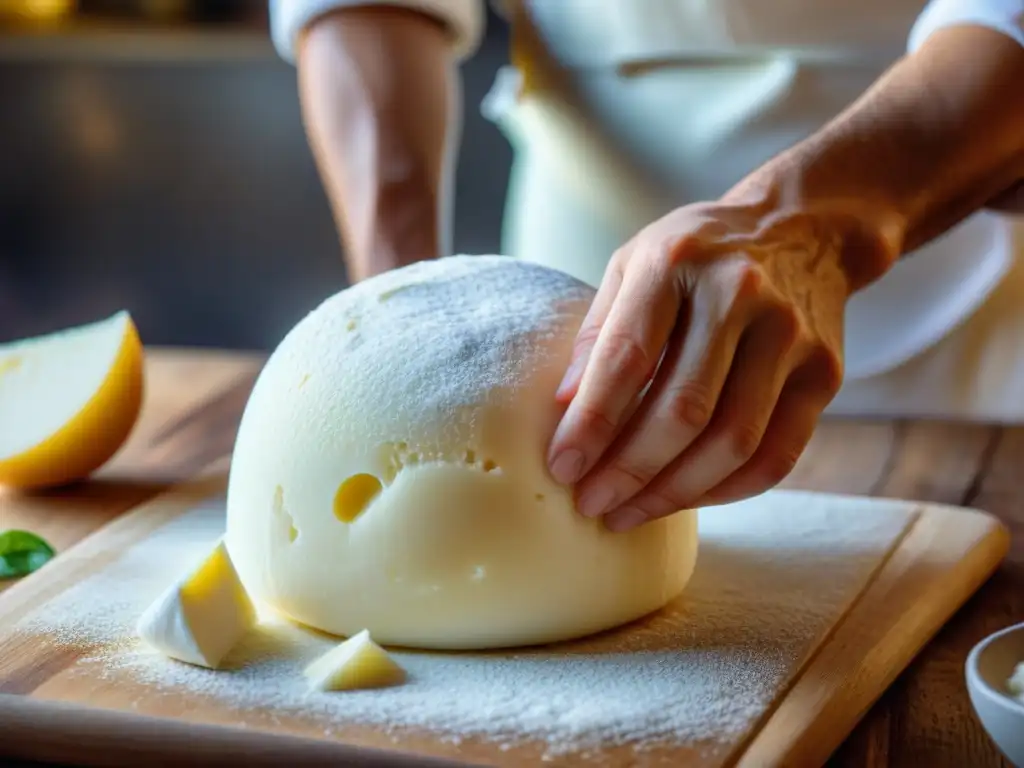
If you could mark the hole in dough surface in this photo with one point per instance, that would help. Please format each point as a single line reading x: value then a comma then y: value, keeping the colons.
x: 354, y: 496
x: 281, y: 512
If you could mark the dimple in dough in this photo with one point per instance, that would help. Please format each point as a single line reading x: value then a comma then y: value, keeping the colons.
x: 390, y: 474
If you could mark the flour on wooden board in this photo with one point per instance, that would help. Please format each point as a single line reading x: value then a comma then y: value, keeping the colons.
x: 773, y: 574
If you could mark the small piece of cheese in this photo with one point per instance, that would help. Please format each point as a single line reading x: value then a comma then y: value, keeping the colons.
x: 356, y: 663
x: 1016, y: 682
x: 200, y: 618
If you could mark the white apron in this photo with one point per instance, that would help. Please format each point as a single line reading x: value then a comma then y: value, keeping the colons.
x: 621, y: 110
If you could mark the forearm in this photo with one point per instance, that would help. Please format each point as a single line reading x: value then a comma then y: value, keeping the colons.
x: 935, y: 139
x: 376, y: 88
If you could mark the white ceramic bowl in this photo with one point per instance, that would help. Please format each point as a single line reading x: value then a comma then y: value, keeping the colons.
x: 989, y: 665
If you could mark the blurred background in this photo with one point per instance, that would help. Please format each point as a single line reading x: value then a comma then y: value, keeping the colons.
x: 152, y: 158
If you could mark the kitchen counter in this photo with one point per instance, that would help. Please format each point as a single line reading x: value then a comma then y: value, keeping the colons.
x: 195, y: 398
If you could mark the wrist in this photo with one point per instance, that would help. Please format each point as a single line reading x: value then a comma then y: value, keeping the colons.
x: 931, y: 142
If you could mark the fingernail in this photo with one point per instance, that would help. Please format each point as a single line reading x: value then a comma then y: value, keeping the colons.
x: 570, y: 381
x: 567, y: 467
x: 624, y: 519
x: 596, y: 502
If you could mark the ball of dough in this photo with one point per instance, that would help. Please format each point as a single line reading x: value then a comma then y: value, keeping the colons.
x: 389, y: 472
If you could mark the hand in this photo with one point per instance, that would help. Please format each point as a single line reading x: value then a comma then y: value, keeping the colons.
x: 744, y: 313
x: 731, y: 315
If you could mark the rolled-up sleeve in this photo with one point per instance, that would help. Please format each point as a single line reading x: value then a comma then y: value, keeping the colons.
x: 1005, y: 16
x: 464, y: 18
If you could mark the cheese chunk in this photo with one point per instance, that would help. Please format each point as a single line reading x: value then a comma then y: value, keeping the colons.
x: 1016, y: 683
x: 199, y: 619
x: 356, y: 663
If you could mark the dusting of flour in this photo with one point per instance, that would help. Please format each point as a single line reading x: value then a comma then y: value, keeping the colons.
x: 772, y: 575
x: 492, y: 322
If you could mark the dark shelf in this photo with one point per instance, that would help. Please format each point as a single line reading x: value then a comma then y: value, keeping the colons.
x: 107, y: 30
x: 134, y: 42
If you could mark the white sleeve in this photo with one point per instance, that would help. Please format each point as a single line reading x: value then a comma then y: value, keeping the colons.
x: 1006, y: 16
x: 465, y: 19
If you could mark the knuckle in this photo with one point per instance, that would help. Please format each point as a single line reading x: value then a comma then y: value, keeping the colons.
x: 749, y: 280
x: 628, y: 356
x: 682, y: 249
x: 585, y: 339
x: 633, y: 473
x: 789, y: 326
x: 779, y: 467
x: 821, y: 375
x: 620, y: 257
x: 594, y: 423
x: 664, y: 502
x: 743, y: 440
x: 829, y: 370
x: 691, y: 406
x: 737, y: 285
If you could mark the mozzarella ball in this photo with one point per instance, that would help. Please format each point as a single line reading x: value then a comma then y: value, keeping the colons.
x: 390, y: 470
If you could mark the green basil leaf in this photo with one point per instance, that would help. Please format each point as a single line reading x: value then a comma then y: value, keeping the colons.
x: 21, y: 553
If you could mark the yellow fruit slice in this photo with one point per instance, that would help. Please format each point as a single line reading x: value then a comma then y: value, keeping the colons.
x: 68, y: 401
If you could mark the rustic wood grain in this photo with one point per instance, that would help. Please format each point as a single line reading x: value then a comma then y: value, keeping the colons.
x: 895, y: 616
x: 933, y: 721
x: 925, y: 717
x: 194, y: 398
x: 937, y: 557
x: 193, y: 401
x: 170, y: 745
x: 845, y: 457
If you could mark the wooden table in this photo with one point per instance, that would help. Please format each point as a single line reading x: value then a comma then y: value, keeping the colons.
x: 194, y: 400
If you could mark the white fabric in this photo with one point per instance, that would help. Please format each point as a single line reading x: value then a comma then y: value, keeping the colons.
x: 627, y: 31
x: 1006, y: 16
x: 465, y: 19
x: 647, y: 126
x: 676, y: 100
x: 653, y: 28
x: 643, y: 30
x: 975, y: 373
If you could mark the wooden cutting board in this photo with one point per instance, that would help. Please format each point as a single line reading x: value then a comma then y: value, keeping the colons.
x: 808, y: 605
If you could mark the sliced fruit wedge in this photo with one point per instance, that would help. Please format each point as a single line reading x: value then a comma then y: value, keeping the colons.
x: 68, y: 401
